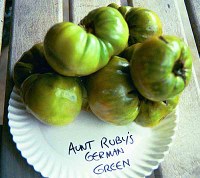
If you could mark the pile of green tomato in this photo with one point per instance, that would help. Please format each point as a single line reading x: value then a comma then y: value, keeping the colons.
x: 115, y: 63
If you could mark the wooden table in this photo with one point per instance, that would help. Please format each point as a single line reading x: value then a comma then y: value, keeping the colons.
x: 2, y: 7
x: 31, y: 21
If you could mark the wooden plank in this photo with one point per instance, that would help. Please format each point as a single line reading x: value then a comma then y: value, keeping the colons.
x: 184, y: 157
x: 189, y: 36
x: 3, y: 65
x: 2, y: 8
x: 65, y: 10
x: 31, y: 21
x: 193, y: 8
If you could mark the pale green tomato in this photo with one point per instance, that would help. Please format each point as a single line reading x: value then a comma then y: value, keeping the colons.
x: 111, y: 94
x: 51, y: 98
x: 161, y: 67
x: 74, y: 50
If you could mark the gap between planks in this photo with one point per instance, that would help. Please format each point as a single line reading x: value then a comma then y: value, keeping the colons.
x: 2, y: 9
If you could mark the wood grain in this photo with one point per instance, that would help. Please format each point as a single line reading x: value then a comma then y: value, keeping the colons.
x: 193, y: 8
x: 79, y: 9
x: 65, y: 10
x: 184, y: 157
x: 3, y: 67
x: 189, y: 36
x: 31, y: 21
x: 2, y: 8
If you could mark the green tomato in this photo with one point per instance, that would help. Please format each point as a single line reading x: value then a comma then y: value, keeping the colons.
x: 111, y: 95
x: 113, y: 5
x: 161, y: 67
x: 122, y: 9
x: 143, y: 23
x: 129, y: 51
x: 74, y: 50
x: 152, y: 112
x: 51, y: 98
x: 32, y: 61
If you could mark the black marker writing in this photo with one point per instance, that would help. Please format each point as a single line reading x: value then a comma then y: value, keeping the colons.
x: 96, y: 156
x: 78, y: 148
x: 103, y: 168
x: 107, y: 143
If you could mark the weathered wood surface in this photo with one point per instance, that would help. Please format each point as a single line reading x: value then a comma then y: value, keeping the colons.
x: 79, y: 9
x: 66, y: 10
x: 184, y: 157
x: 2, y: 8
x: 31, y: 21
x: 3, y: 65
x: 30, y: 25
x: 193, y: 8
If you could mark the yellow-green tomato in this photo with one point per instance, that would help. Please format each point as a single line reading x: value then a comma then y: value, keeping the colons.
x: 152, y: 112
x: 143, y: 23
x: 111, y: 95
x: 74, y: 50
x: 51, y: 98
x: 161, y: 67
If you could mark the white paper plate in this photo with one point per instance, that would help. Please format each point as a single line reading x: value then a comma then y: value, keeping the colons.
x: 51, y: 150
